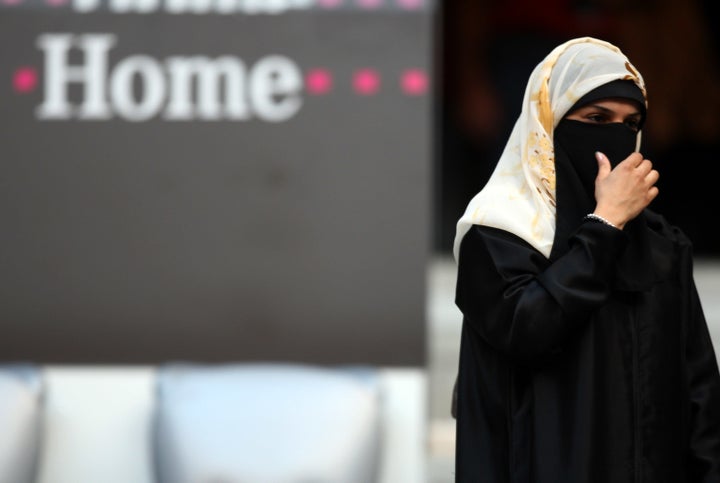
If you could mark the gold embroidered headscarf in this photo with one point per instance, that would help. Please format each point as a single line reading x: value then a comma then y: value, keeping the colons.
x: 519, y: 197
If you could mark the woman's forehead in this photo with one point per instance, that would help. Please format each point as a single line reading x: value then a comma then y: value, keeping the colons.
x: 619, y: 105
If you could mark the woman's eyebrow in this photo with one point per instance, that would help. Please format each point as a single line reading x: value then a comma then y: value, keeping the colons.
x: 610, y: 111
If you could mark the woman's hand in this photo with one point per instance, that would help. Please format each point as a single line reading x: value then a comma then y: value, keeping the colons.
x: 622, y: 193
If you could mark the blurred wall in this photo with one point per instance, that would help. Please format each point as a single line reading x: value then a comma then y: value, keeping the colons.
x: 489, y: 48
x: 214, y: 180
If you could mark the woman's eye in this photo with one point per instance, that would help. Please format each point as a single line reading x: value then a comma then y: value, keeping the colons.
x: 596, y: 118
x: 633, y: 124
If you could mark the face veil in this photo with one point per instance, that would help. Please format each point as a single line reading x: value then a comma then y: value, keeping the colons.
x: 578, y: 141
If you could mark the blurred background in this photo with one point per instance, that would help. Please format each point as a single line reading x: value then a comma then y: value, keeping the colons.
x: 196, y: 192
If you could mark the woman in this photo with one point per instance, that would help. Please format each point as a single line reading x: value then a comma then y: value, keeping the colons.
x: 585, y: 355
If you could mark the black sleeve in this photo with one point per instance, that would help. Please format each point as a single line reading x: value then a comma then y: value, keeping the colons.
x: 704, y: 384
x: 522, y: 304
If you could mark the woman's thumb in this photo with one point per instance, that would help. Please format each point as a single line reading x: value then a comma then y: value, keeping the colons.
x: 604, y: 167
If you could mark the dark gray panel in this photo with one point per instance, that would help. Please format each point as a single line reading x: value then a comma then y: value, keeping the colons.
x: 304, y: 239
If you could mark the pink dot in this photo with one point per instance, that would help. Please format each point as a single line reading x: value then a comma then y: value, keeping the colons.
x: 410, y: 4
x: 12, y: 2
x: 25, y: 80
x: 366, y: 81
x: 369, y: 3
x: 318, y: 81
x: 329, y: 3
x: 414, y: 82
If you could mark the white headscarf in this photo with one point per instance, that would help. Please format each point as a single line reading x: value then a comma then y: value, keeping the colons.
x: 519, y: 197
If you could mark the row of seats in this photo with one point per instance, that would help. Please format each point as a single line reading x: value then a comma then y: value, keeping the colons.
x: 223, y: 423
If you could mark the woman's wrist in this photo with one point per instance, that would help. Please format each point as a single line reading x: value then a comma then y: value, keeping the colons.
x: 615, y: 218
x: 601, y: 219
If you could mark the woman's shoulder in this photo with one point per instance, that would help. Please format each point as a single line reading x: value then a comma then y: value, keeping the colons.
x: 486, y: 235
x: 490, y: 246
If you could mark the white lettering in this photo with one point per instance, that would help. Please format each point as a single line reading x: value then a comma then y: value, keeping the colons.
x: 211, y: 75
x: 263, y: 6
x: 153, y: 88
x: 178, y: 88
x: 226, y: 7
x: 275, y: 85
x: 134, y: 6
x: 58, y: 74
x: 84, y: 6
x: 188, y: 6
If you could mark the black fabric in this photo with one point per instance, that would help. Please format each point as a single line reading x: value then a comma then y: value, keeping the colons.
x: 570, y: 375
x: 575, y: 171
x: 578, y: 141
x: 594, y: 364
